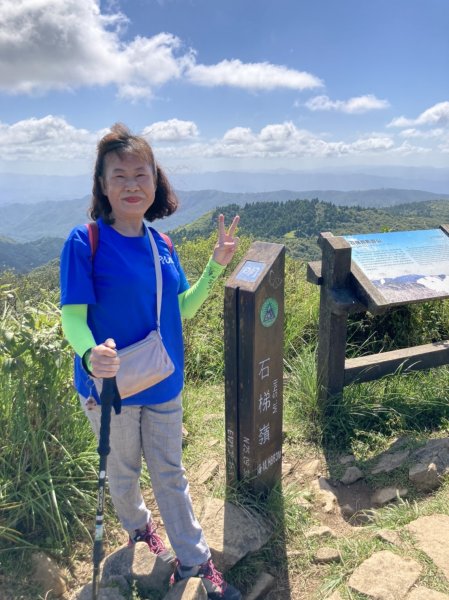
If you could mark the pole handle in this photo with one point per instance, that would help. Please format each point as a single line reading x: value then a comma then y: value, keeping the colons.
x: 109, y: 397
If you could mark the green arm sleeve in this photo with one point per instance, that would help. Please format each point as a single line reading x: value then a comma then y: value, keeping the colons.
x: 191, y: 300
x: 76, y: 329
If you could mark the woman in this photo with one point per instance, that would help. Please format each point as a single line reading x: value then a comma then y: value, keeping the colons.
x: 109, y: 302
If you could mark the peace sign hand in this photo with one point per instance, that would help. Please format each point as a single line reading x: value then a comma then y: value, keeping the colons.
x: 227, y: 244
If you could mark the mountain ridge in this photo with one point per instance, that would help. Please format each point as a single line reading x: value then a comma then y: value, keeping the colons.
x: 27, y: 222
x: 33, y: 188
x: 295, y: 223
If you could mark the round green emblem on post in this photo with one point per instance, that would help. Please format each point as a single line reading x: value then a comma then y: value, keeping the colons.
x: 269, y: 312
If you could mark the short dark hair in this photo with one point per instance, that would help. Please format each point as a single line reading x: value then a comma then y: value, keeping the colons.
x: 121, y: 141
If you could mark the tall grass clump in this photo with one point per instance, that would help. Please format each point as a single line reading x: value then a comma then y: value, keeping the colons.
x: 401, y: 327
x: 301, y: 305
x: 394, y: 405
x: 402, y: 402
x: 47, y: 478
x: 301, y: 405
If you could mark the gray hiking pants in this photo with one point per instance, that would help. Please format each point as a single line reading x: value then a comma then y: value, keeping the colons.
x: 155, y: 430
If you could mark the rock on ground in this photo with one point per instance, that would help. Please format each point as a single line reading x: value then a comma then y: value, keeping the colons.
x: 105, y: 593
x: 263, y: 585
x: 139, y: 563
x: 387, y: 535
x: 207, y: 470
x: 430, y: 464
x: 150, y: 572
x: 390, y: 461
x: 48, y: 576
x: 335, y: 596
x: 310, y: 468
x: 232, y: 532
x: 327, y: 494
x: 320, y: 531
x: 387, y: 494
x: 189, y: 589
x: 346, y: 459
x: 432, y: 537
x: 327, y: 555
x: 118, y: 563
x: 351, y: 475
x: 385, y: 576
x: 422, y: 593
x: 119, y: 582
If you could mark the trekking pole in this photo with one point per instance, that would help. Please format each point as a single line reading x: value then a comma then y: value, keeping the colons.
x: 109, y: 397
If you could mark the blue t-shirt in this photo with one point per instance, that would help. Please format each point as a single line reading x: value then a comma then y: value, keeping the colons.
x: 119, y: 288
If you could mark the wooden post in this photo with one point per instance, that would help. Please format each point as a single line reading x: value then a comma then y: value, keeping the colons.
x: 345, y: 289
x: 335, y: 271
x: 254, y: 326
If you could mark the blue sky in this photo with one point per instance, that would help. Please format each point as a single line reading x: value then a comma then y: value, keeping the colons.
x: 217, y: 85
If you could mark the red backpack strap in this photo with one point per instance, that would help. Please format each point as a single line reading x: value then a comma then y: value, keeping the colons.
x: 167, y: 240
x: 92, y: 230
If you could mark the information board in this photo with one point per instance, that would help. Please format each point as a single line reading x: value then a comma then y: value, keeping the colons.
x: 404, y: 266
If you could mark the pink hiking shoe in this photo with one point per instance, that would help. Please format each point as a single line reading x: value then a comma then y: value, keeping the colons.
x: 216, y: 586
x: 154, y: 541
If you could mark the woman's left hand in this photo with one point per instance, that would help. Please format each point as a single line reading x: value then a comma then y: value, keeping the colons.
x: 227, y: 244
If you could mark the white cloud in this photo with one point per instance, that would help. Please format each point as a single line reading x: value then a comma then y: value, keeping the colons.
x: 153, y: 60
x: 51, y: 44
x: 172, y: 130
x: 356, y: 105
x: 444, y: 146
x: 251, y: 76
x: 437, y: 116
x: 407, y: 149
x: 239, y: 135
x: 417, y: 133
x: 278, y: 140
x: 48, y: 139
x: 54, y: 44
x: 53, y: 140
x: 281, y: 132
x: 372, y: 144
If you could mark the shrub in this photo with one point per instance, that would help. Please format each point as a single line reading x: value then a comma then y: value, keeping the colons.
x: 47, y: 478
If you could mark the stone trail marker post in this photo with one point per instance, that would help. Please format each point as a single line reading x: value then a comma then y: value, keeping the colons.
x: 254, y: 337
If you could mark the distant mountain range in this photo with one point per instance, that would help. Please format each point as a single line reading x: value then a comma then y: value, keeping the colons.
x: 363, y: 178
x: 29, y: 255
x: 26, y: 222
x: 295, y: 223
x: 30, y: 189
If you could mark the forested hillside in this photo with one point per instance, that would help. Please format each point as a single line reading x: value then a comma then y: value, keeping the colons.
x: 424, y: 211
x: 25, y: 257
x: 297, y: 223
x: 30, y: 221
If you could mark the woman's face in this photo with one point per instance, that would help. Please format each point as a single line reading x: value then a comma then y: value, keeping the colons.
x: 128, y: 182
